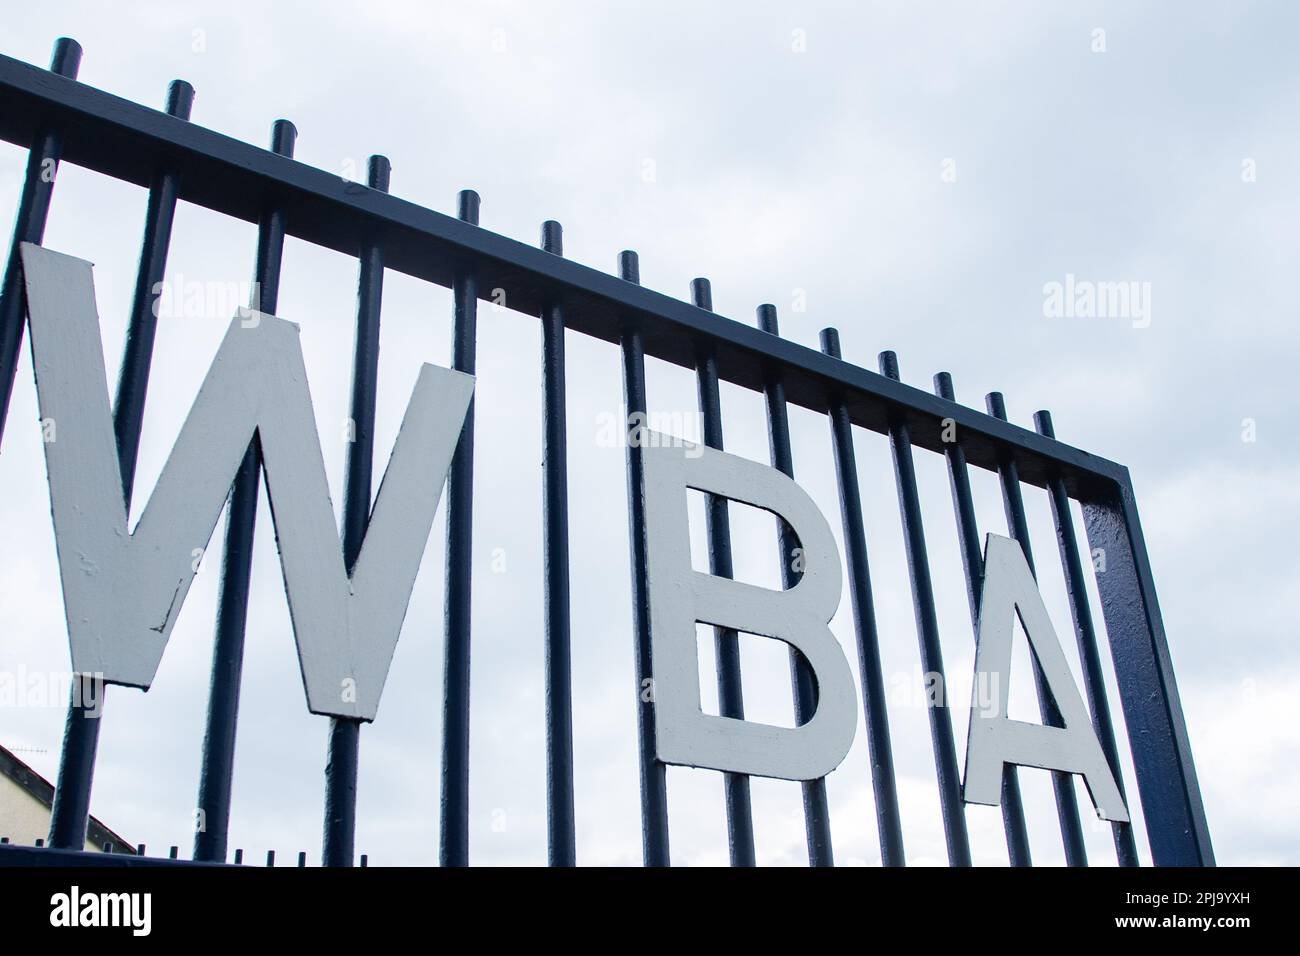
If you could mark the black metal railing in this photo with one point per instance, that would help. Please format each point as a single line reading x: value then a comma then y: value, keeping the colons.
x: 62, y: 121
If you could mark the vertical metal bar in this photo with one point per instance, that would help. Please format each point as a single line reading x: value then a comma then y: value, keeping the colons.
x: 71, y: 808
x: 137, y: 355
x: 740, y: 816
x: 1094, y: 683
x: 972, y: 559
x: 216, y: 769
x: 345, y: 732
x: 29, y: 226
x: 864, y: 624
x: 70, y: 811
x: 654, y: 784
x: 927, y: 630
x: 561, y: 841
x: 342, y: 759
x: 454, y: 819
x: 1153, y: 713
x: 1067, y: 807
x: 817, y: 824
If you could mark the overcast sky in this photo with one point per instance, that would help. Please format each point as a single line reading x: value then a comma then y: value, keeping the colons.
x: 914, y: 174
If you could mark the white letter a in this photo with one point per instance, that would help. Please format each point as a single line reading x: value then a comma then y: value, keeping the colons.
x: 994, y: 739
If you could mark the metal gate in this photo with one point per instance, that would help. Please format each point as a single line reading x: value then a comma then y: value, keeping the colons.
x: 60, y: 120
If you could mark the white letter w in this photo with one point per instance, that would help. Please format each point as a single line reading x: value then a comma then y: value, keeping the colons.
x: 122, y: 591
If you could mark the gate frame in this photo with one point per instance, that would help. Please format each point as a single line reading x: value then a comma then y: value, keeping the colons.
x: 116, y: 137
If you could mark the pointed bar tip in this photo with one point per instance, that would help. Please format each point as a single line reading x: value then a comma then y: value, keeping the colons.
x: 180, y: 99
x: 553, y: 237
x: 830, y: 339
x: 1043, y: 423
x: 943, y: 386
x: 379, y: 172
x: 889, y: 365
x: 629, y: 266
x: 467, y: 206
x: 283, y: 137
x: 66, y: 59
x: 996, y: 405
x: 702, y: 293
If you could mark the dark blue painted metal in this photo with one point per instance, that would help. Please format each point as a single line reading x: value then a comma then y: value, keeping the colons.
x: 927, y: 631
x: 133, y: 379
x: 1067, y: 807
x: 740, y: 816
x: 52, y: 115
x: 44, y: 152
x: 864, y: 625
x: 71, y: 807
x: 972, y: 559
x: 218, y: 762
x: 1093, y: 682
x: 817, y: 822
x: 70, y: 811
x: 345, y: 733
x: 1153, y: 713
x: 454, y: 816
x: 654, y: 785
x: 561, y: 841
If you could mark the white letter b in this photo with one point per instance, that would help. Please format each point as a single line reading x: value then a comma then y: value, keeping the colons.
x: 680, y: 596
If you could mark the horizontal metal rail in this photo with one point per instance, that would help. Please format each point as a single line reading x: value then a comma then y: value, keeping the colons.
x: 12, y: 855
x: 118, y: 138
